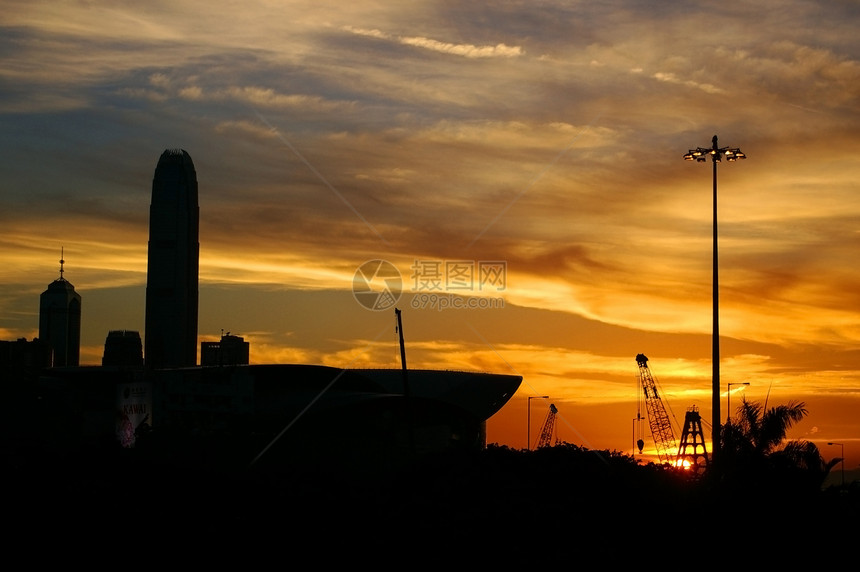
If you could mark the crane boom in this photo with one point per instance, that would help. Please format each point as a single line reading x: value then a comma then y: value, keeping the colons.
x: 548, y: 430
x: 658, y: 419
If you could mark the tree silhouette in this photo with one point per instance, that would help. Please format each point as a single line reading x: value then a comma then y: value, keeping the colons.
x: 755, y: 454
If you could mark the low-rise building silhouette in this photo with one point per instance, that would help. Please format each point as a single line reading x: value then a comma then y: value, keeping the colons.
x: 123, y: 348
x: 22, y: 355
x: 231, y: 350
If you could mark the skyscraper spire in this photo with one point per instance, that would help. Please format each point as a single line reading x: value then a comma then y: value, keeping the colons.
x: 62, y: 261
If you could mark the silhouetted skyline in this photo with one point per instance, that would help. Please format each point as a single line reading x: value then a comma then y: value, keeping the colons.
x: 549, y: 138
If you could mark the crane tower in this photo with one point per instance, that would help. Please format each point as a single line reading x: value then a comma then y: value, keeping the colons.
x: 693, y: 453
x: 547, y: 432
x: 658, y: 419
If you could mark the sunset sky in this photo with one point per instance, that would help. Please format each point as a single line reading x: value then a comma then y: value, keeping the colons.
x: 546, y: 138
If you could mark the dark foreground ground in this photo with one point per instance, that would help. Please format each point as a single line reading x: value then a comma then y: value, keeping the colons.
x: 560, y: 505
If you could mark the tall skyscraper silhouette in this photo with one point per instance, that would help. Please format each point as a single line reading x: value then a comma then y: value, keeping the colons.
x: 60, y: 320
x: 171, y: 283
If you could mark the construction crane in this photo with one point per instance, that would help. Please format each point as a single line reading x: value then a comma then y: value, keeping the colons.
x: 547, y: 432
x: 658, y: 418
x: 692, y: 452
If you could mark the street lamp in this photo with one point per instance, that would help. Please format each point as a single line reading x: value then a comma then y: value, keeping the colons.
x: 700, y: 155
x: 529, y: 420
x: 729, y: 397
x: 842, y: 448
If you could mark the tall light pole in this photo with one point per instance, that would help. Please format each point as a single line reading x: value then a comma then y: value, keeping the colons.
x: 700, y: 155
x: 529, y: 420
x: 729, y: 397
x: 842, y: 447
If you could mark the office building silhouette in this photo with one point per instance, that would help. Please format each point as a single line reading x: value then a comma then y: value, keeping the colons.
x: 231, y: 350
x: 171, y: 287
x: 123, y: 348
x: 60, y: 320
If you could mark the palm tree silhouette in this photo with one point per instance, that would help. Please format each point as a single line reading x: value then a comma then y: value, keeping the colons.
x: 756, y: 454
